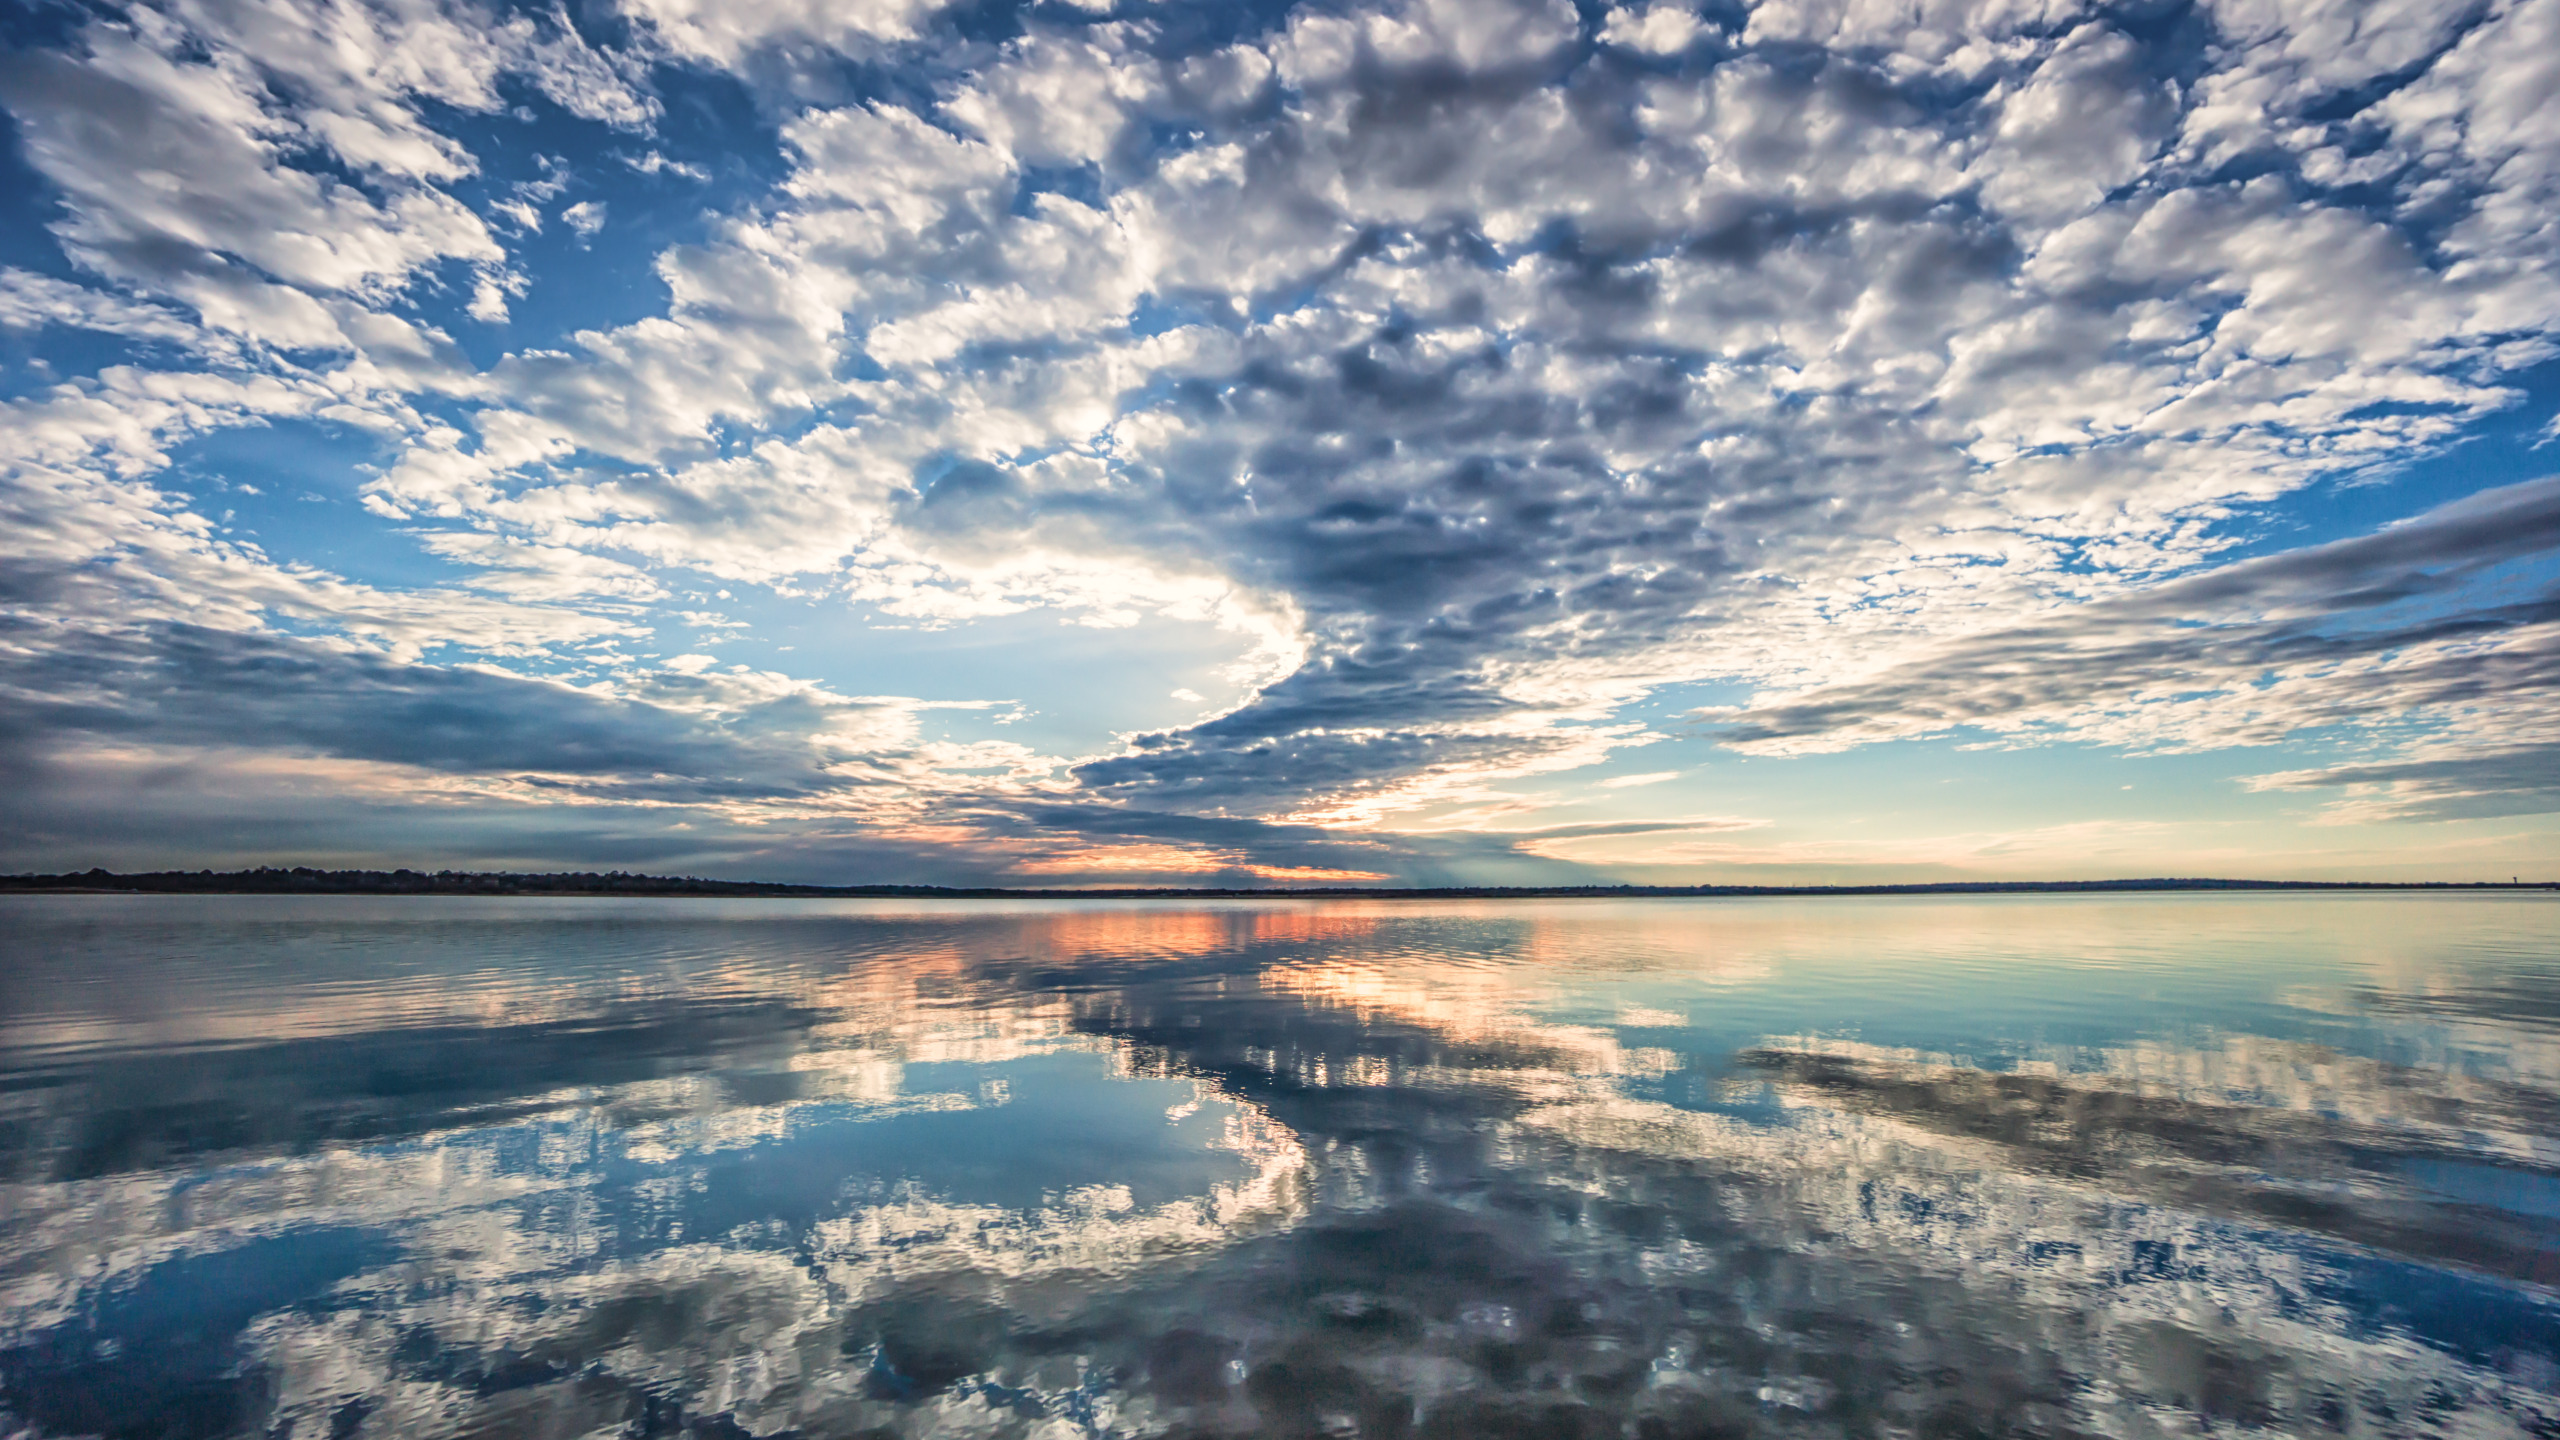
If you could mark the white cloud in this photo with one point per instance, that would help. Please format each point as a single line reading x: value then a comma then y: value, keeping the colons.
x: 654, y: 163
x: 174, y: 176
x: 586, y: 218
x: 1660, y: 29
x: 730, y: 35
x: 543, y: 572
x: 252, y: 157
x: 29, y: 301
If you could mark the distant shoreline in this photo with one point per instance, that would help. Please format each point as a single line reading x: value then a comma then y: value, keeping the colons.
x: 590, y: 885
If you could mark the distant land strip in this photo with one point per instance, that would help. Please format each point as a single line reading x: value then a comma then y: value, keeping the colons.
x: 302, y: 880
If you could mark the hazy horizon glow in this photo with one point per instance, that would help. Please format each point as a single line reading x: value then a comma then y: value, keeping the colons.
x: 1442, y: 441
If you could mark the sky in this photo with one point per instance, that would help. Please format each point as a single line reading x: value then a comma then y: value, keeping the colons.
x: 1135, y: 442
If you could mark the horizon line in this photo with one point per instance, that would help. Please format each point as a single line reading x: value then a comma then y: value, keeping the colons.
x: 566, y: 884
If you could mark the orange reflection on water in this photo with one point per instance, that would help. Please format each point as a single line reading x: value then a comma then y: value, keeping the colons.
x: 1137, y: 929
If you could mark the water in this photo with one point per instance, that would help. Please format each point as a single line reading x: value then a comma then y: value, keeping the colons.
x: 2147, y: 1165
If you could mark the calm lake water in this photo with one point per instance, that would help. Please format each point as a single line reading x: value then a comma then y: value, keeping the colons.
x: 2150, y: 1165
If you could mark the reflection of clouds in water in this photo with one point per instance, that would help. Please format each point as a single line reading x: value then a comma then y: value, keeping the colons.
x: 513, y: 1263
x: 1288, y: 1171
x: 2141, y: 1306
x: 2500, y: 1026
x: 752, y: 1324
x: 2288, y: 1087
x: 2163, y: 1195
x: 512, y: 1266
x: 1492, y: 1009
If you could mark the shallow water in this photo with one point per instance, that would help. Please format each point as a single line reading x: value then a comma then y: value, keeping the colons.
x: 2146, y: 1165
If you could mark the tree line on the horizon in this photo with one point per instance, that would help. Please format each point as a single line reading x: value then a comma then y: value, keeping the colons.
x: 306, y: 880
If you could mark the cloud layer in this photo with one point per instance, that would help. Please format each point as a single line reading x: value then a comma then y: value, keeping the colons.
x: 1481, y: 373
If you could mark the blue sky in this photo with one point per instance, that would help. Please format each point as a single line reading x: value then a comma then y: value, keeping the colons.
x: 1135, y: 442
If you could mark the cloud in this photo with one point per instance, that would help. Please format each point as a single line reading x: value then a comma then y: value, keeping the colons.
x: 1482, y: 473
x: 2392, y: 629
x: 1659, y: 29
x: 544, y: 572
x: 2471, y: 778
x: 586, y: 218
x: 732, y: 35
x: 178, y: 685
x: 1591, y: 840
x: 260, y: 159
x: 1482, y: 369
x: 29, y: 301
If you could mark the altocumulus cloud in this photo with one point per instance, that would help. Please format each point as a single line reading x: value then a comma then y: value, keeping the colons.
x: 1478, y: 371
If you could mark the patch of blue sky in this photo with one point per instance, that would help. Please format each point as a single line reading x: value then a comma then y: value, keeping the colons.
x: 291, y: 487
x: 716, y: 155
x: 1942, y: 784
x: 1064, y: 688
x: 28, y: 208
x: 2505, y: 448
x: 1167, y: 138
x: 1684, y: 696
x: 1190, y: 28
x: 1080, y: 183
x: 37, y: 359
x: 40, y: 26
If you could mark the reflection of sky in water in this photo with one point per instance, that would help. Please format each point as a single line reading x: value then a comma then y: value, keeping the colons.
x: 2139, y: 1166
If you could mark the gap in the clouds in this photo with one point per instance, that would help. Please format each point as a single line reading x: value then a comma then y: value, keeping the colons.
x: 39, y: 359
x: 306, y: 507
x: 1191, y: 26
x: 2503, y: 449
x: 1181, y: 27
x: 1687, y: 695
x: 2156, y: 23
x: 576, y: 281
x: 41, y: 26
x: 28, y: 207
x: 1070, y: 688
x: 1080, y: 183
x: 1168, y: 138
x: 1154, y: 314
x: 993, y: 22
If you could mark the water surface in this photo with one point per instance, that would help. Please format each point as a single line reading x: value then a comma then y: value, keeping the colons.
x: 2143, y: 1166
